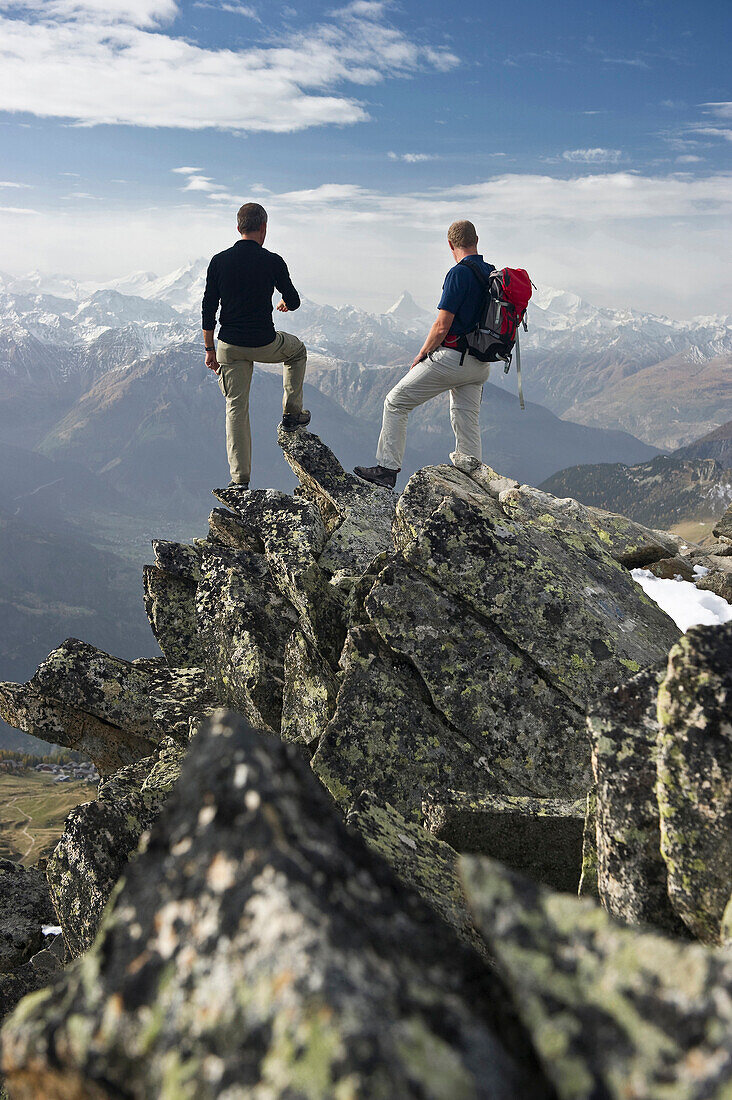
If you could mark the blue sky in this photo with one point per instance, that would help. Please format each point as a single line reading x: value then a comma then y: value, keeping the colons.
x: 589, y: 141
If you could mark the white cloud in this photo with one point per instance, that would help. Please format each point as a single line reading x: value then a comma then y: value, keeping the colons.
x: 201, y: 183
x: 140, y: 13
x: 689, y: 158
x: 592, y: 156
x: 95, y: 62
x: 412, y: 158
x: 186, y: 170
x: 577, y: 233
x: 244, y: 10
x: 634, y: 62
x: 9, y: 183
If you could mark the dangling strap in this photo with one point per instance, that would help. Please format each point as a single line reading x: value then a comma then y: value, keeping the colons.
x: 518, y: 371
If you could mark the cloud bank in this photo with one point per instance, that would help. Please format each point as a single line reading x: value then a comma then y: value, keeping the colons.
x: 616, y: 238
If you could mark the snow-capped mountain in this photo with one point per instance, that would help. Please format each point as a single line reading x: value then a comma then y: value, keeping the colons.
x: 666, y: 381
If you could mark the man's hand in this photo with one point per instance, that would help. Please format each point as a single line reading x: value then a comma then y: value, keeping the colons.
x: 420, y: 359
x: 211, y: 361
x: 282, y: 307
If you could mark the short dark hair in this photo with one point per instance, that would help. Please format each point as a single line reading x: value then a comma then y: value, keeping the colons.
x: 462, y: 234
x: 251, y: 217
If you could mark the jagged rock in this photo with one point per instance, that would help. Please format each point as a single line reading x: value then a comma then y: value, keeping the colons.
x: 170, y: 601
x: 629, y: 543
x: 309, y: 696
x: 386, y: 733
x: 25, y: 906
x: 225, y: 529
x: 542, y: 837
x: 259, y: 948
x: 244, y: 623
x: 533, y: 736
x: 631, y: 874
x: 113, y: 711
x: 695, y: 777
x: 578, y: 615
x: 488, y: 479
x: 475, y: 650
x: 723, y: 528
x: 717, y: 581
x: 425, y: 492
x: 423, y: 862
x: 357, y: 515
x: 178, y: 558
x: 670, y: 568
x: 588, y: 879
x: 294, y: 536
x: 100, y: 836
x: 614, y: 1012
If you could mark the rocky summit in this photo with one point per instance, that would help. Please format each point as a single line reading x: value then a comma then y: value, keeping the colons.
x: 345, y: 817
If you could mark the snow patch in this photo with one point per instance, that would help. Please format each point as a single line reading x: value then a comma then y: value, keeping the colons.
x: 686, y: 604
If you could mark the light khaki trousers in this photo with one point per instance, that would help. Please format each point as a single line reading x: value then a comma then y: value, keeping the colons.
x: 439, y: 372
x: 235, y: 376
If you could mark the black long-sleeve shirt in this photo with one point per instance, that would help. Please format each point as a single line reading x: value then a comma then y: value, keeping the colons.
x: 243, y: 279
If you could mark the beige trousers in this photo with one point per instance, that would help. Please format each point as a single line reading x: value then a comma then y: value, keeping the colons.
x: 235, y: 375
x: 439, y: 372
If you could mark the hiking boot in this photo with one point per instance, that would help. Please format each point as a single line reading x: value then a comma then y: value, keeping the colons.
x: 292, y: 421
x: 243, y: 485
x: 377, y: 475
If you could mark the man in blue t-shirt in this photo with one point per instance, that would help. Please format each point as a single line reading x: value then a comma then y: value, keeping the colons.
x: 441, y: 365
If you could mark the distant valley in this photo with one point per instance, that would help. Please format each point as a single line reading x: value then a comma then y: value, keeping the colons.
x: 685, y: 491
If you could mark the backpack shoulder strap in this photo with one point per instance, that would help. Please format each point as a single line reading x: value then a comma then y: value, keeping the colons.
x: 475, y: 268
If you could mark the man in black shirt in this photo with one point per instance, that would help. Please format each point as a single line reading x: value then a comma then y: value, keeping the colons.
x: 242, y: 280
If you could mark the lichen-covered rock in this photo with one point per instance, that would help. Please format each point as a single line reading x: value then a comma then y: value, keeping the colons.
x: 717, y: 581
x: 385, y: 735
x: 100, y: 836
x: 629, y: 543
x: 541, y: 837
x: 170, y: 600
x: 113, y: 711
x: 244, y: 623
x: 631, y: 874
x: 294, y: 536
x: 425, y: 492
x: 170, y: 605
x: 226, y: 529
x: 309, y: 696
x: 258, y: 948
x: 485, y: 476
x: 614, y: 1012
x: 357, y: 515
x: 695, y: 777
x: 423, y: 862
x: 670, y: 568
x: 577, y: 614
x: 25, y: 906
x: 532, y: 735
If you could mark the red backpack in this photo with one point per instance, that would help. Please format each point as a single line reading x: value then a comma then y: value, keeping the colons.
x: 506, y: 296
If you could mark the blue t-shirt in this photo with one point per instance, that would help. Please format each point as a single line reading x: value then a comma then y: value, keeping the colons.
x: 462, y: 295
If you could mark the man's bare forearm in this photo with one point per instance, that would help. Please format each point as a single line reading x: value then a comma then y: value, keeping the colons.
x: 208, y: 339
x: 435, y: 336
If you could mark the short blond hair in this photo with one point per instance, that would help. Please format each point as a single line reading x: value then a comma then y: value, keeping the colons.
x: 462, y: 234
